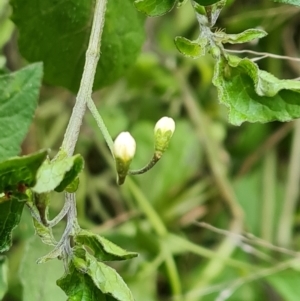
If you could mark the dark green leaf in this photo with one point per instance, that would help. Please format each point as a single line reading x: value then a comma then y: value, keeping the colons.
x: 18, y: 100
x: 155, y: 7
x: 104, y: 277
x: 18, y: 173
x: 58, y: 174
x: 104, y: 250
x: 193, y: 49
x: 243, y: 37
x: 39, y: 280
x: 79, y: 286
x: 254, y: 95
x: 57, y: 33
x: 292, y: 2
x: 10, y: 215
x: 3, y: 276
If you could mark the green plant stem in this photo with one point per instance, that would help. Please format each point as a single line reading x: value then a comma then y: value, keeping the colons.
x: 101, y: 124
x: 144, y: 169
x: 162, y: 232
x: 269, y: 197
x: 291, y: 193
x: 83, y: 96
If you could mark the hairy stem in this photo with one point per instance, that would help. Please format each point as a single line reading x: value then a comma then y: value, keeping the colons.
x: 83, y: 96
x: 86, y: 85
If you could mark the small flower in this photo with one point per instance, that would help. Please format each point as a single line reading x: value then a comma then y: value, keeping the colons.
x: 163, y: 131
x: 124, y: 150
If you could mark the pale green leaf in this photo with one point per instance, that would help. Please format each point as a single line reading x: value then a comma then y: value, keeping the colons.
x: 104, y: 250
x: 104, y: 277
x: 39, y: 280
x: 243, y: 37
x: 292, y: 2
x: 18, y: 100
x: 79, y: 286
x: 193, y: 49
x: 155, y: 7
x: 254, y: 95
x: 58, y: 174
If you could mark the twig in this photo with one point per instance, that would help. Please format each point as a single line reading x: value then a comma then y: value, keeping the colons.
x: 83, y: 96
x: 226, y: 293
x: 265, y: 54
x: 250, y: 238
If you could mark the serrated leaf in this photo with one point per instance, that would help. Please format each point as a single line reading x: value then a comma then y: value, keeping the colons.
x: 265, y: 83
x: 19, y: 171
x: 193, y: 49
x: 292, y: 2
x: 38, y: 281
x: 104, y: 250
x: 18, y: 100
x: 79, y: 286
x: 155, y: 8
x: 58, y: 174
x: 243, y: 37
x: 104, y: 277
x: 10, y: 215
x: 3, y: 276
x: 254, y: 95
x: 57, y: 33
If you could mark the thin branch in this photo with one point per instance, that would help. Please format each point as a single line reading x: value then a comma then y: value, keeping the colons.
x: 265, y: 54
x: 101, y: 124
x: 87, y: 80
x: 249, y: 238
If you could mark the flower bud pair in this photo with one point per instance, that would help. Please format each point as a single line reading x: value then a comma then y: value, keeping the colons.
x: 125, y: 146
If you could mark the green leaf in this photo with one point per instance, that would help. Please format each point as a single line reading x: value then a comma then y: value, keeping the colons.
x: 3, y: 276
x: 58, y: 174
x: 155, y: 7
x: 193, y: 49
x: 44, y: 233
x: 57, y: 33
x: 254, y: 95
x: 18, y: 100
x: 104, y: 250
x: 206, y: 2
x: 104, y: 277
x: 243, y: 37
x: 79, y: 286
x: 18, y: 172
x: 292, y: 2
x: 286, y: 283
x: 10, y: 215
x: 38, y: 281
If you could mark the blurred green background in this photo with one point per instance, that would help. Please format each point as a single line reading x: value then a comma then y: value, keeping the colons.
x: 244, y: 180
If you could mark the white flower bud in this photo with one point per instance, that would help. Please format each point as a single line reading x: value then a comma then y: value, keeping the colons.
x: 165, y: 124
x: 163, y: 131
x: 124, y: 150
x: 124, y: 147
